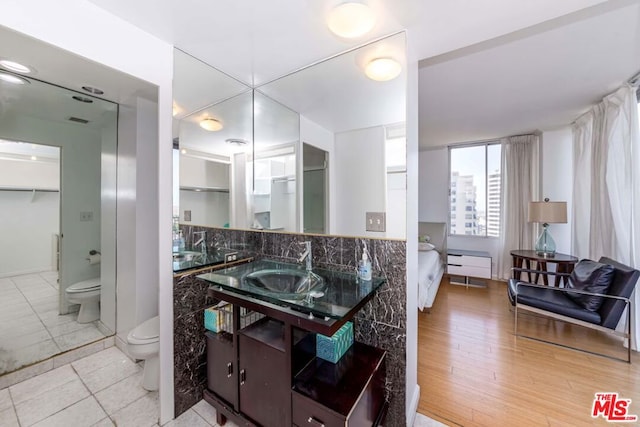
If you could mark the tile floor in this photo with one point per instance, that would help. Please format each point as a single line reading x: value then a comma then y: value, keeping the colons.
x: 30, y: 327
x: 100, y: 390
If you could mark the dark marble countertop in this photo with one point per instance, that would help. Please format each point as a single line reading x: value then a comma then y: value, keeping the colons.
x: 342, y: 292
x: 191, y: 259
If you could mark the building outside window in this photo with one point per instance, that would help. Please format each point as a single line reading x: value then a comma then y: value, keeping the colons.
x: 475, y: 189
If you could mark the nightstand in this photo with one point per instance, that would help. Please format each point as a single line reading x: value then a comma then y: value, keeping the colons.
x: 468, y: 265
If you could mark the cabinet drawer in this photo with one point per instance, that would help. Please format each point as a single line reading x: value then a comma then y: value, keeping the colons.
x: 307, y: 413
x: 482, y: 272
x: 471, y: 261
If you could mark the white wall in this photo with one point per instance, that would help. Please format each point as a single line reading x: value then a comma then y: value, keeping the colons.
x: 314, y: 134
x: 360, y: 178
x: 210, y: 209
x: 135, y: 52
x: 28, y: 220
x: 396, y: 205
x: 108, y: 242
x: 27, y: 226
x: 413, y: 166
x: 557, y: 180
x: 80, y: 189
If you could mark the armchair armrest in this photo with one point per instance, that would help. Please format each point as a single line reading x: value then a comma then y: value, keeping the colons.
x: 576, y: 291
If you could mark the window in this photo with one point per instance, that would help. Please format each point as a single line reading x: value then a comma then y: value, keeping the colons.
x: 475, y: 182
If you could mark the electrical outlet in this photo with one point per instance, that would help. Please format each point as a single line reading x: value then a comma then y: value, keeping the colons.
x: 376, y: 221
x: 231, y: 257
x: 86, y: 216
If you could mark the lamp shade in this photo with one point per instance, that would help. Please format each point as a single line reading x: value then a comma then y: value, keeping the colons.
x: 548, y: 212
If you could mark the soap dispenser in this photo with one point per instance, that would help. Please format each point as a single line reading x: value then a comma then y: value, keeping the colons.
x: 364, y: 265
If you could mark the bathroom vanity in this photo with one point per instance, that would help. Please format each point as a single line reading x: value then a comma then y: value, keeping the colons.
x: 262, y: 367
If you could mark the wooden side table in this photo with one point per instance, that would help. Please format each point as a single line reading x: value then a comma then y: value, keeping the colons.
x: 564, y: 264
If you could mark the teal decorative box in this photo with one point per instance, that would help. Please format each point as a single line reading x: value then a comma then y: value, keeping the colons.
x: 333, y: 348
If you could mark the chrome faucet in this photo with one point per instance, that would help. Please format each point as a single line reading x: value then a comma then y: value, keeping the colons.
x: 202, y: 241
x: 306, y: 255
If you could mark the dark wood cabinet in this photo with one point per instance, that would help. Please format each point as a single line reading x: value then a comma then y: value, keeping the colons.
x: 264, y: 386
x: 222, y: 367
x: 266, y: 374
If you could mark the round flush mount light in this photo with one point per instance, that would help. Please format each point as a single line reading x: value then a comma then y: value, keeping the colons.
x: 10, y: 78
x: 350, y: 20
x: 93, y: 90
x: 383, y: 69
x: 210, y: 124
x: 82, y: 99
x: 15, y: 66
x: 183, y: 151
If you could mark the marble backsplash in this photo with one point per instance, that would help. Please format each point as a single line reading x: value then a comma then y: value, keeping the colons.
x: 382, y: 322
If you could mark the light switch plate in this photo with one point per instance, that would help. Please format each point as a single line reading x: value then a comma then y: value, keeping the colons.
x: 376, y: 221
x: 187, y: 215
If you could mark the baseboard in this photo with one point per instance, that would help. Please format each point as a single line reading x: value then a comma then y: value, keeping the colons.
x: 413, y: 406
x: 23, y: 272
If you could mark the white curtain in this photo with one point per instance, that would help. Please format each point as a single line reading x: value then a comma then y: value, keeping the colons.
x: 520, y: 185
x: 606, y: 185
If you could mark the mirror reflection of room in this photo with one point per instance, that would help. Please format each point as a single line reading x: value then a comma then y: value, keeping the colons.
x: 56, y: 294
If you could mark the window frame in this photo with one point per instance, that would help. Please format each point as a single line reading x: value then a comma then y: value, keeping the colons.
x: 486, y: 145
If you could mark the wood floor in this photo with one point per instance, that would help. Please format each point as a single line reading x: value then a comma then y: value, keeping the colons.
x: 473, y: 371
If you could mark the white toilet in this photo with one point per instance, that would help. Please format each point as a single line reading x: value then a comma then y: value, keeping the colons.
x: 144, y: 343
x: 87, y: 294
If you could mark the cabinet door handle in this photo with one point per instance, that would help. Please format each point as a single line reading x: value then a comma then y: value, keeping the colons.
x: 229, y: 369
x: 243, y: 377
x: 316, y: 422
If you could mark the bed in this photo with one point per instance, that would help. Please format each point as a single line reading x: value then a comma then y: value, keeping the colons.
x: 431, y: 260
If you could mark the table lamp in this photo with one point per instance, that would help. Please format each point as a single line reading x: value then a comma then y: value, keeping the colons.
x: 547, y: 212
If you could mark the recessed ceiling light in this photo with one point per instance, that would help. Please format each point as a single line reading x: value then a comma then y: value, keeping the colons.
x: 10, y: 78
x: 15, y: 66
x: 210, y: 124
x: 93, y: 90
x: 383, y: 69
x: 350, y: 20
x: 82, y: 99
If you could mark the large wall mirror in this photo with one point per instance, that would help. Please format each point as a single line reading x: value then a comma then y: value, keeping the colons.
x: 313, y: 151
x: 58, y: 221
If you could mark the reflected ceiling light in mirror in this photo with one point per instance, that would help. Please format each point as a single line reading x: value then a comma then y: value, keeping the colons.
x: 236, y: 141
x: 383, y: 69
x: 10, y: 78
x: 15, y: 66
x: 212, y: 125
x: 183, y: 151
x: 350, y: 20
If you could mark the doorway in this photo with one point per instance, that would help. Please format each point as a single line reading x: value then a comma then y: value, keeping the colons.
x: 314, y: 161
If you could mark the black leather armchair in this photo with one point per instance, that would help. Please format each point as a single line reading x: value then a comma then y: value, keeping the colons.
x: 560, y: 303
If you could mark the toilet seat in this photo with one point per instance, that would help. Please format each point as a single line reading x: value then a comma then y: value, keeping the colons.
x: 145, y: 333
x: 85, y: 286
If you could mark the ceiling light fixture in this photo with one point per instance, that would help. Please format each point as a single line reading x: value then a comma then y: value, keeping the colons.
x: 383, y: 69
x: 183, y: 151
x: 236, y: 141
x: 210, y: 124
x: 10, y: 78
x: 15, y: 66
x: 34, y: 158
x: 351, y: 20
x: 93, y: 90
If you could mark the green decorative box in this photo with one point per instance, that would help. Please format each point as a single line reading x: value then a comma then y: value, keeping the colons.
x: 216, y: 318
x: 334, y: 347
